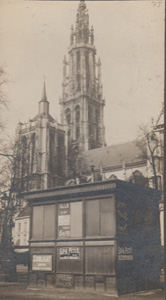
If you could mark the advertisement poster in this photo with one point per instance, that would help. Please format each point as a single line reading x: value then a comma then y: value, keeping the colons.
x: 42, y: 262
x: 64, y: 220
x: 72, y: 253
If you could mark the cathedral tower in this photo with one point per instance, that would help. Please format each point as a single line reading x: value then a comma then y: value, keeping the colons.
x: 82, y: 103
x: 41, y: 150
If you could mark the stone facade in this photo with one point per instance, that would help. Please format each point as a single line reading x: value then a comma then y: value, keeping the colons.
x: 82, y: 103
x: 49, y: 150
x: 41, y: 147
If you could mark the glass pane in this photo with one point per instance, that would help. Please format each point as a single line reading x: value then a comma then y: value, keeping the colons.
x: 107, y: 217
x: 76, y: 219
x: 37, y: 222
x: 100, y: 260
x: 49, y: 221
x: 92, y: 218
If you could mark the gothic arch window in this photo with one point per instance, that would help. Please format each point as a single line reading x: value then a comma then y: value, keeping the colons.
x: 90, y: 114
x: 78, y: 61
x: 24, y: 161
x: 87, y: 70
x: 78, y: 71
x: 97, y: 116
x: 32, y: 151
x: 77, y: 114
x: 78, y: 82
x: 90, y: 120
x: 97, y: 124
x: 77, y: 121
x: 72, y: 63
x: 68, y: 116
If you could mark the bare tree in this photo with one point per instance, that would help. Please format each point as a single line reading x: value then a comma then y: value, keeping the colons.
x: 77, y: 165
x: 150, y: 147
x: 3, y: 97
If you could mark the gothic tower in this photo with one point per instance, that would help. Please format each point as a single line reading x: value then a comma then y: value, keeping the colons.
x: 41, y: 149
x: 82, y: 103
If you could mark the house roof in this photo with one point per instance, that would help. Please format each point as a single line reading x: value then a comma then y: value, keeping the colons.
x: 25, y: 212
x: 115, y: 155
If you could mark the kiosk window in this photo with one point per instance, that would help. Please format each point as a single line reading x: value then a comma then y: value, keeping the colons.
x: 100, y: 260
x: 100, y: 219
x: 43, y: 222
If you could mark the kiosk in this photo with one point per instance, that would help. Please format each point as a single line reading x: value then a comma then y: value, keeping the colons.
x: 102, y: 236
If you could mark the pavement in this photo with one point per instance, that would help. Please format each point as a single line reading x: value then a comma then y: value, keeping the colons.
x: 16, y: 291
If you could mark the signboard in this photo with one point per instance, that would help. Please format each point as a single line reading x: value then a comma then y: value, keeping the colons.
x: 64, y: 220
x: 42, y: 262
x: 125, y: 253
x: 72, y: 253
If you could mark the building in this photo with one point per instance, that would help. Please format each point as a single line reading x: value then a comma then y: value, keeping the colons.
x: 21, y: 229
x: 44, y: 145
x: 21, y: 233
x: 41, y: 148
x: 101, y: 236
x: 48, y: 150
x: 82, y: 103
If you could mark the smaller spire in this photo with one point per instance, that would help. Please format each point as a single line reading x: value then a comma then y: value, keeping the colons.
x: 44, y: 104
x: 44, y: 96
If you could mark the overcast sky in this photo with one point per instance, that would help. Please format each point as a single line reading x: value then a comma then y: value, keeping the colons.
x: 129, y: 38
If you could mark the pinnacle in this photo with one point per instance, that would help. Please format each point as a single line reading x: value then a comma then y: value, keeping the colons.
x: 44, y: 96
x: 82, y: 4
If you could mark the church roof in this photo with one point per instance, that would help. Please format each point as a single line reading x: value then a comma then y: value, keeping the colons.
x: 115, y: 155
x: 50, y: 118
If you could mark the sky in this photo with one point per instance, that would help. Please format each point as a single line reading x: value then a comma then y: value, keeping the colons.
x: 129, y: 39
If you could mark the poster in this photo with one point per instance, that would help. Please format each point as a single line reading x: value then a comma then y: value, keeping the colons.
x: 64, y: 220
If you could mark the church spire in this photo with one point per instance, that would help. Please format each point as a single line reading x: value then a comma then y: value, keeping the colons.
x: 44, y: 104
x: 82, y: 24
x: 44, y: 96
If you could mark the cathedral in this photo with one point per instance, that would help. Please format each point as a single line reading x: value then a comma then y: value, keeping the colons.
x: 48, y: 151
x: 44, y: 144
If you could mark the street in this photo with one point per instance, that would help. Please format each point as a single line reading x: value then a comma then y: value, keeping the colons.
x: 21, y: 292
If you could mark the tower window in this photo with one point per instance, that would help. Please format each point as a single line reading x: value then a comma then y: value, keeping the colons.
x: 32, y: 152
x: 78, y: 61
x: 87, y: 70
x: 77, y: 114
x: 78, y: 82
x: 77, y: 121
x: 77, y: 133
x: 68, y: 116
x: 97, y: 124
